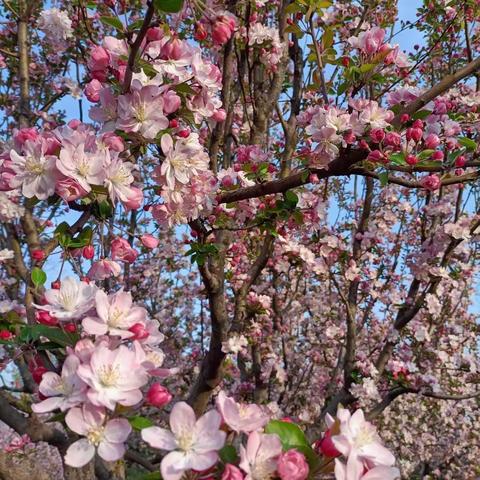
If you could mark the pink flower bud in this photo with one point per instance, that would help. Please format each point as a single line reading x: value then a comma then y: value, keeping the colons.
x: 412, y: 159
x: 414, y: 134
x: 149, y: 241
x: 158, y: 396
x: 393, y: 139
x: 24, y: 134
x: 231, y: 472
x: 123, y: 251
x: 74, y: 124
x: 171, y: 102
x: 377, y: 135
x: 223, y: 29
x: 69, y: 190
x: 139, y: 331
x: 227, y: 181
x: 376, y: 156
x: 99, y: 59
x: 292, y: 465
x: 154, y: 34
x: 56, y: 284
x: 431, y: 182
x: 460, y: 161
x: 135, y: 199
x: 92, y: 90
x: 405, y: 117
x: 113, y: 142
x: 437, y: 155
x: 220, y: 115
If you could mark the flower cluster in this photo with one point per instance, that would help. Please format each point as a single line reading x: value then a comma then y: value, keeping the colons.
x: 108, y: 367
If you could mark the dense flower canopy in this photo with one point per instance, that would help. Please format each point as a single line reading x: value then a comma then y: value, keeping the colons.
x: 239, y: 239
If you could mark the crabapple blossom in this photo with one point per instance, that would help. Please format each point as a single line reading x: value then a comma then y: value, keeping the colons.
x: 64, y: 391
x: 114, y: 376
x: 72, y: 300
x: 106, y: 438
x: 115, y: 315
x: 241, y: 417
x: 193, y: 444
x: 259, y: 460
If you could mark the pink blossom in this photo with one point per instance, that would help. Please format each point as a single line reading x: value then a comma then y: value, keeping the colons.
x: 244, y: 418
x: 142, y: 111
x: 370, y: 41
x: 193, y: 444
x: 115, y: 315
x: 259, y: 459
x: 431, y: 182
x: 351, y: 471
x: 83, y: 166
x: 71, y: 301
x: 359, y: 442
x: 108, y: 439
x: 292, y: 465
x: 114, y: 376
x: 122, y: 250
x: 182, y: 161
x: 104, y: 268
x: 35, y: 172
x: 65, y: 391
x: 118, y: 177
x: 231, y: 472
x: 106, y: 113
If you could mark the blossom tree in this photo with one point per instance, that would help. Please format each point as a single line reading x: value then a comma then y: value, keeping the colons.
x: 239, y: 240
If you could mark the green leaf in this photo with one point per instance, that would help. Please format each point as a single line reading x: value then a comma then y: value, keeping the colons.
x: 31, y: 333
x: 168, y: 6
x: 383, y: 177
x: 184, y: 88
x: 139, y: 423
x: 113, y: 22
x: 425, y: 154
x: 397, y: 158
x: 367, y: 67
x: 228, y: 454
x: 290, y: 434
x: 421, y: 114
x: 468, y: 143
x: 291, y: 198
x: 39, y: 277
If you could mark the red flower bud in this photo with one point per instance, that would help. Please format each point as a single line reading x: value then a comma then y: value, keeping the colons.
x: 38, y: 255
x: 88, y: 252
x: 158, y: 396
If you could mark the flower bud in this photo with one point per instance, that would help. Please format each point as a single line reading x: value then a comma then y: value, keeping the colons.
x: 158, y: 396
